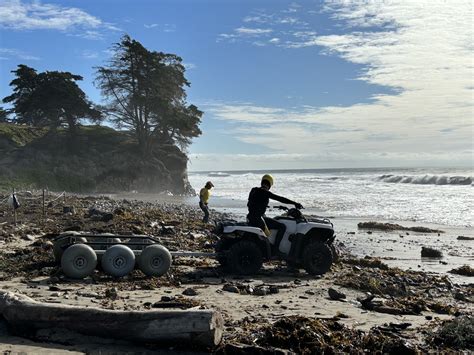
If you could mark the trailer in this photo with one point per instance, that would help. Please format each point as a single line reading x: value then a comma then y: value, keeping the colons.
x: 79, y: 254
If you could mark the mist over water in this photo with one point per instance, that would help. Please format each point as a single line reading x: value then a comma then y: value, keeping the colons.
x: 428, y: 195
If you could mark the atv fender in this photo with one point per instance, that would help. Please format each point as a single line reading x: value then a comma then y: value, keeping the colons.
x: 323, y: 235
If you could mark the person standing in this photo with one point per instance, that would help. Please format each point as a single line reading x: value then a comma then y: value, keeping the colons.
x: 204, y: 195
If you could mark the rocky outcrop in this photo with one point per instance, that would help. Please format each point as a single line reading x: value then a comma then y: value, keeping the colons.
x: 99, y: 159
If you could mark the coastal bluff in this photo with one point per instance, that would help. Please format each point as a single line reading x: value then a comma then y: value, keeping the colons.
x: 97, y: 159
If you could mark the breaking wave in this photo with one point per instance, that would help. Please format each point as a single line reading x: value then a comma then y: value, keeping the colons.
x: 427, y: 179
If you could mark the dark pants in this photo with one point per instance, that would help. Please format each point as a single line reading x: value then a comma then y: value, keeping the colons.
x: 205, y: 209
x: 261, y: 222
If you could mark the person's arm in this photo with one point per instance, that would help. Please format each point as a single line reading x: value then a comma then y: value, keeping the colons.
x: 281, y: 199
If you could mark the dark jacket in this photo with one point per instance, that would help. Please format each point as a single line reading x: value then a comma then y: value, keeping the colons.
x: 259, y: 199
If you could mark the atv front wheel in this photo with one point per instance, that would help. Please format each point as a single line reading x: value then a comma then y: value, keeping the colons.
x: 317, y: 258
x: 244, y: 257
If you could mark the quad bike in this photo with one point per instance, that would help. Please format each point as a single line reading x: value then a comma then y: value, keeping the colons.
x: 306, y: 243
x: 79, y: 254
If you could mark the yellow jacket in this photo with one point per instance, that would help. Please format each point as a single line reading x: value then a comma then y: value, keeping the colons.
x: 204, y: 195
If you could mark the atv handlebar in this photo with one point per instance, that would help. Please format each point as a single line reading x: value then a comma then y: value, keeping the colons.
x: 284, y: 208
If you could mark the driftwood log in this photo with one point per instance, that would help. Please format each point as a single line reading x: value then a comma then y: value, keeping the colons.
x: 194, y: 327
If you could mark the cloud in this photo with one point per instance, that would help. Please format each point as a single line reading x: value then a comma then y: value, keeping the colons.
x: 9, y: 53
x: 422, y: 50
x: 189, y: 66
x: 278, y: 23
x: 88, y: 54
x: 166, y: 27
x: 252, y: 31
x: 35, y: 15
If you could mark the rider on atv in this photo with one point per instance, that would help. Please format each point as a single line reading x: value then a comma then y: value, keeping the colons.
x: 257, y: 205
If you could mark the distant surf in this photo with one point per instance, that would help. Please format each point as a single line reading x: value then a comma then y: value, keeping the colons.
x: 433, y: 195
x: 427, y: 179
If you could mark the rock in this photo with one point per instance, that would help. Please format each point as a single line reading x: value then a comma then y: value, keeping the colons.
x: 274, y: 289
x: 464, y: 270
x: 460, y: 296
x: 111, y: 293
x: 190, y: 292
x: 69, y: 209
x: 336, y: 295
x: 230, y: 288
x: 167, y: 298
x: 28, y: 237
x: 427, y: 252
x: 194, y: 236
x: 261, y: 291
x: 461, y: 237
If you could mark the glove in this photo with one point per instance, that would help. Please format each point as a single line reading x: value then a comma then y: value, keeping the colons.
x: 298, y: 206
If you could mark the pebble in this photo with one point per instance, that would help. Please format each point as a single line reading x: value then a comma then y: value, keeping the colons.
x: 335, y: 295
x: 190, y: 292
x: 230, y: 288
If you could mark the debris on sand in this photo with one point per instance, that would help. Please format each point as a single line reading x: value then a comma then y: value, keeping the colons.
x: 367, y: 261
x: 394, y: 226
x: 461, y: 237
x: 464, y: 270
x: 304, y: 335
x: 427, y: 252
x: 335, y: 294
x: 456, y: 334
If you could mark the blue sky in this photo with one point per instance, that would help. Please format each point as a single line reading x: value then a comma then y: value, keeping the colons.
x: 283, y: 84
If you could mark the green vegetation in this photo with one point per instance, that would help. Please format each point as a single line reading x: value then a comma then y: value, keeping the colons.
x: 43, y: 144
x: 19, y: 136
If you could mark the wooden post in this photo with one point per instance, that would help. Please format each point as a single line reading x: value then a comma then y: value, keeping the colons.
x: 13, y: 206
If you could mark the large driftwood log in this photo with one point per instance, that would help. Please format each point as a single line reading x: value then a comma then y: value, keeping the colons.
x: 199, y: 327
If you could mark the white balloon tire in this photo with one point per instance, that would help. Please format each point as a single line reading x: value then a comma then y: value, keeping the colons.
x: 118, y: 260
x: 78, y: 261
x: 155, y: 260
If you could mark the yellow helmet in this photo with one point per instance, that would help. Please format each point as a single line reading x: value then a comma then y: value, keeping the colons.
x: 268, y: 178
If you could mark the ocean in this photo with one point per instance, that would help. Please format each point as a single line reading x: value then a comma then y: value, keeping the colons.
x: 441, y: 196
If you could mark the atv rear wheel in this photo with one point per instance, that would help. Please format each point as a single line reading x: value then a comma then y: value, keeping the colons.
x: 244, y: 257
x: 317, y: 258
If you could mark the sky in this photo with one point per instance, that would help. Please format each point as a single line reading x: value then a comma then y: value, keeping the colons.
x: 283, y: 84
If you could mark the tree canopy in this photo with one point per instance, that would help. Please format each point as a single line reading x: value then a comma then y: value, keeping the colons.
x: 50, y: 98
x: 146, y: 93
x: 3, y: 115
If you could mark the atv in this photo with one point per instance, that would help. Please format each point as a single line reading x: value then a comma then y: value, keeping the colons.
x: 242, y: 249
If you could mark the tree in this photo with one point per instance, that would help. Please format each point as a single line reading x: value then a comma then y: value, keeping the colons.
x: 50, y: 98
x: 146, y: 94
x: 3, y: 115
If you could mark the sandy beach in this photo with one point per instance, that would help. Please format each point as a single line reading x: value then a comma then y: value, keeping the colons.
x: 412, y: 297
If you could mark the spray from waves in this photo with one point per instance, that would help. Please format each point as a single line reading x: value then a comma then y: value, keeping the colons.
x: 427, y: 179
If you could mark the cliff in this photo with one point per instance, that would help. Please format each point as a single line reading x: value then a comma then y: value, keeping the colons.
x: 100, y: 159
